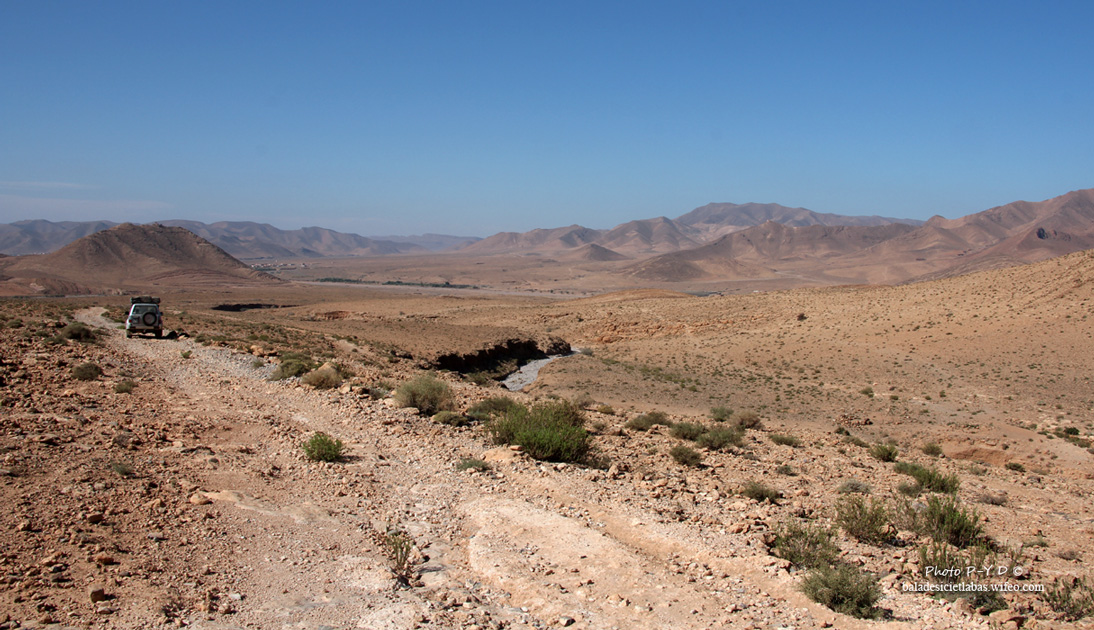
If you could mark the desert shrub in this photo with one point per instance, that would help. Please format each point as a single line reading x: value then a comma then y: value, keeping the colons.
x: 854, y: 440
x: 844, y: 589
x: 258, y: 363
x: 400, y: 551
x: 884, y: 452
x: 932, y: 449
x: 721, y: 414
x: 451, y: 418
x: 953, y: 565
x: 929, y: 478
x: 486, y: 409
x: 912, y: 489
x: 991, y: 499
x: 866, y: 521
x: 86, y: 371
x: 186, y: 354
x: 426, y: 393
x: 758, y: 491
x: 719, y: 438
x: 785, y: 440
x: 605, y: 409
x: 854, y: 486
x: 944, y: 520
x: 785, y: 469
x: 1015, y: 466
x: 125, y: 387
x: 321, y: 447
x: 550, y: 431
x: 806, y: 545
x: 77, y: 331
x: 647, y: 420
x: 687, y: 430
x: 685, y: 455
x: 289, y: 368
x: 482, y: 379
x: 472, y: 463
x: 583, y: 401
x: 867, y: 391
x: 747, y: 419
x: 1070, y: 597
x: 323, y: 378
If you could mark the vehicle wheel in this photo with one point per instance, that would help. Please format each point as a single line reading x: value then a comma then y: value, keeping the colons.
x: 149, y: 319
x: 159, y: 334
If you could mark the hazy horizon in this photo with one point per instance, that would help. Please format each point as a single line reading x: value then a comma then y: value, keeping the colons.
x: 471, y: 119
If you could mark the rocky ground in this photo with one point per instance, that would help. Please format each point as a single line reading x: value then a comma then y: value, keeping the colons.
x: 188, y: 501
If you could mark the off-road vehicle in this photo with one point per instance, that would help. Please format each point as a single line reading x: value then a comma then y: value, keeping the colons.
x: 144, y: 316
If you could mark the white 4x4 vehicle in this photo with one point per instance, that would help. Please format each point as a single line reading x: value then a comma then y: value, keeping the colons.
x: 144, y: 316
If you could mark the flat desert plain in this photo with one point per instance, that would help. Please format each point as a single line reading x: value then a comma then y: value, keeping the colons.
x: 744, y: 448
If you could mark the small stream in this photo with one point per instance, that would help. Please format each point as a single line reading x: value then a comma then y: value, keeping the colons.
x: 528, y: 373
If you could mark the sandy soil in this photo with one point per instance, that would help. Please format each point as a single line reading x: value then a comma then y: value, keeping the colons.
x: 188, y: 501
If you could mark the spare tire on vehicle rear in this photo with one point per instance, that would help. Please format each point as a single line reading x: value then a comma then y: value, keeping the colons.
x: 149, y: 319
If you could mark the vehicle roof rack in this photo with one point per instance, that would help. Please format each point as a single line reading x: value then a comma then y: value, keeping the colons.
x: 144, y: 299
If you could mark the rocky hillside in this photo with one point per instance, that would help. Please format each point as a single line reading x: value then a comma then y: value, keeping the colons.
x: 127, y: 257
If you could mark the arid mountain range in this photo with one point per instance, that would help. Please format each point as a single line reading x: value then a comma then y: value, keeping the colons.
x: 248, y: 240
x: 717, y: 243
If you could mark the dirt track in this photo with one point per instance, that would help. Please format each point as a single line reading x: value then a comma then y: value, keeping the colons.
x: 295, y: 544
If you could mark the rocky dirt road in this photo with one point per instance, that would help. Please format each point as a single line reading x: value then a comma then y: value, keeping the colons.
x: 189, y: 502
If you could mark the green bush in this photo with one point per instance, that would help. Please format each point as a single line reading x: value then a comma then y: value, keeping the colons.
x: 1070, y: 597
x: 647, y: 420
x: 482, y: 379
x: 289, y: 368
x: 323, y: 448
x: 551, y: 431
x: 78, y: 331
x: 685, y: 455
x: 451, y: 418
x: 758, y: 491
x: 844, y: 589
x: 490, y: 407
x: 805, y: 545
x: 944, y: 520
x: 867, y: 391
x: 687, y: 430
x: 932, y: 449
x: 720, y: 437
x: 785, y: 440
x: 865, y: 521
x: 86, y: 371
x: 426, y: 393
x: 909, y: 489
x: 747, y: 419
x: 323, y: 378
x: 929, y: 478
x: 854, y: 486
x: 472, y: 463
x: 721, y: 414
x: 125, y: 387
x: 954, y: 565
x: 1015, y: 466
x: 884, y: 452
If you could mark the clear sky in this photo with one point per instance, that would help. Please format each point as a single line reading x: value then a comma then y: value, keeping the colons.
x: 403, y: 117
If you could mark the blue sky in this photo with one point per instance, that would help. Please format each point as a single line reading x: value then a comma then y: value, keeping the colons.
x: 478, y: 117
